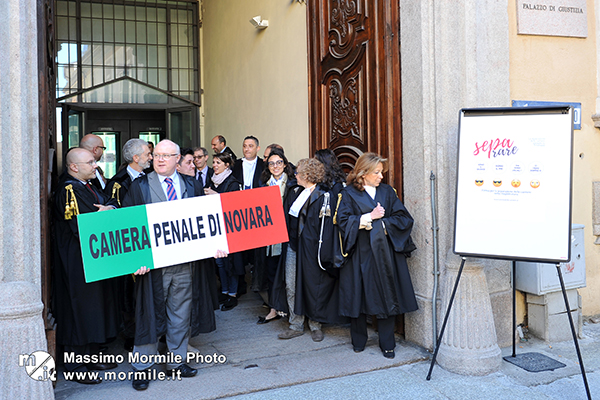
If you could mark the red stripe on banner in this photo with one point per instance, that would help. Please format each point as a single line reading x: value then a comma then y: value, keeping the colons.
x: 253, y: 218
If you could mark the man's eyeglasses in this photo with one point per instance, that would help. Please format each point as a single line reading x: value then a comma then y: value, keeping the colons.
x: 164, y: 156
x: 102, y: 147
x: 199, y: 157
x: 277, y: 163
x: 93, y: 162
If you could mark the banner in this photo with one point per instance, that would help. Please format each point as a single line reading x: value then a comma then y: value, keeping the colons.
x: 158, y: 235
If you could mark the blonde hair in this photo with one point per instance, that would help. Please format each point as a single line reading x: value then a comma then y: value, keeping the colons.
x: 311, y: 169
x: 366, y: 164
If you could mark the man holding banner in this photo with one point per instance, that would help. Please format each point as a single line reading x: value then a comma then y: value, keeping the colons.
x: 180, y: 313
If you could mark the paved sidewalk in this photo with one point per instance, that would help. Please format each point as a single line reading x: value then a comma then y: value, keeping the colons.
x: 261, y: 366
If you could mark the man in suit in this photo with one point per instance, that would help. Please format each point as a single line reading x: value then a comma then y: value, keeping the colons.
x: 95, y: 145
x: 86, y: 313
x: 165, y: 299
x: 203, y: 172
x: 137, y: 156
x: 219, y: 145
x: 248, y: 169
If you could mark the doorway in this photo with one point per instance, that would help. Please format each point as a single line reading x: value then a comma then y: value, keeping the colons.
x: 116, y: 127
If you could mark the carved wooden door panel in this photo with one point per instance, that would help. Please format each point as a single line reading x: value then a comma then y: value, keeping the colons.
x: 354, y: 78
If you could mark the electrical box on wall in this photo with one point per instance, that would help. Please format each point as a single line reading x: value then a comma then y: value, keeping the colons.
x: 540, y: 278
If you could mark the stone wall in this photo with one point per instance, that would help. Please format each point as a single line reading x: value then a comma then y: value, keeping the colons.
x: 454, y: 55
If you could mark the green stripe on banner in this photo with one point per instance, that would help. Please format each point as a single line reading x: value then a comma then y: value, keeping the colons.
x: 115, y: 242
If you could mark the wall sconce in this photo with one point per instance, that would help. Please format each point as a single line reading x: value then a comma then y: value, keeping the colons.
x: 259, y: 23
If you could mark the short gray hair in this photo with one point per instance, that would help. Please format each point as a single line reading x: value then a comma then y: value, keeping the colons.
x: 133, y: 147
x: 202, y: 149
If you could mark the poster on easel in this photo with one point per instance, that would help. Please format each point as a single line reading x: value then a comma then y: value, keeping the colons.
x: 514, y: 180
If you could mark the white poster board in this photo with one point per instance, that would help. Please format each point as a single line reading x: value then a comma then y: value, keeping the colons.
x: 513, y: 192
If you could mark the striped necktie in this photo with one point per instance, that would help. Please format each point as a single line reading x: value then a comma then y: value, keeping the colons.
x: 171, y: 193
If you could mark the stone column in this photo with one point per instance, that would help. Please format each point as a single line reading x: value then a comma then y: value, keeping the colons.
x: 21, y: 324
x: 21, y: 333
x: 454, y: 54
x: 469, y: 345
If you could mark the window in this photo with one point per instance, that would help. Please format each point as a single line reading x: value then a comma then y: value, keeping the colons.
x: 152, y: 41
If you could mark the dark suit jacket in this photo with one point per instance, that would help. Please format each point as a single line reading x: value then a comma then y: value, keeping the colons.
x: 238, y: 172
x: 210, y: 173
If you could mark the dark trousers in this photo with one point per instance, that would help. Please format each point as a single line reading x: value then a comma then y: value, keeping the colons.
x: 128, y: 306
x: 92, y: 348
x: 358, y: 332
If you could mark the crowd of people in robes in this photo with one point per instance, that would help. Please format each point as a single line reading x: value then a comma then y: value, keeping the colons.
x: 345, y: 261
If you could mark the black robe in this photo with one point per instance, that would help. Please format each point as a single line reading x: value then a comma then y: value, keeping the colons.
x: 228, y: 150
x: 150, y: 308
x: 316, y: 289
x: 238, y: 171
x: 375, y: 278
x: 230, y: 184
x: 126, y: 283
x: 85, y: 312
x: 124, y: 180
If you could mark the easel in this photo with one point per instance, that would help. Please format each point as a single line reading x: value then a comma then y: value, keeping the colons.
x: 564, y: 292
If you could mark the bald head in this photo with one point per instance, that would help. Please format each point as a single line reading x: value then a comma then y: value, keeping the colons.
x: 166, y: 156
x: 81, y: 164
x: 94, y: 144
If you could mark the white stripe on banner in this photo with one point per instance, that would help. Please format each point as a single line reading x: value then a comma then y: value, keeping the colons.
x: 191, y: 231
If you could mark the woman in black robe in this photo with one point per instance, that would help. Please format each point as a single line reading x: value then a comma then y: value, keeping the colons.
x: 230, y: 267
x: 335, y: 178
x: 375, y: 232
x: 311, y: 289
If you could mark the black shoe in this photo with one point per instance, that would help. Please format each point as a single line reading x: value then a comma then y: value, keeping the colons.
x: 141, y: 382
x: 100, y: 367
x: 264, y: 320
x: 389, y: 353
x: 87, y: 380
x: 223, y: 297
x: 128, y: 345
x: 229, y: 304
x: 186, y: 371
x: 358, y: 349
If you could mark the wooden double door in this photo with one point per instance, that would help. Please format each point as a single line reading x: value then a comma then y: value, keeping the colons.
x: 354, y: 79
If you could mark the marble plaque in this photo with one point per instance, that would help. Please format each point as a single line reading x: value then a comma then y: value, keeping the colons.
x: 552, y: 18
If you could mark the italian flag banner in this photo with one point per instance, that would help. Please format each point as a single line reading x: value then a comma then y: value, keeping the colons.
x: 158, y: 235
